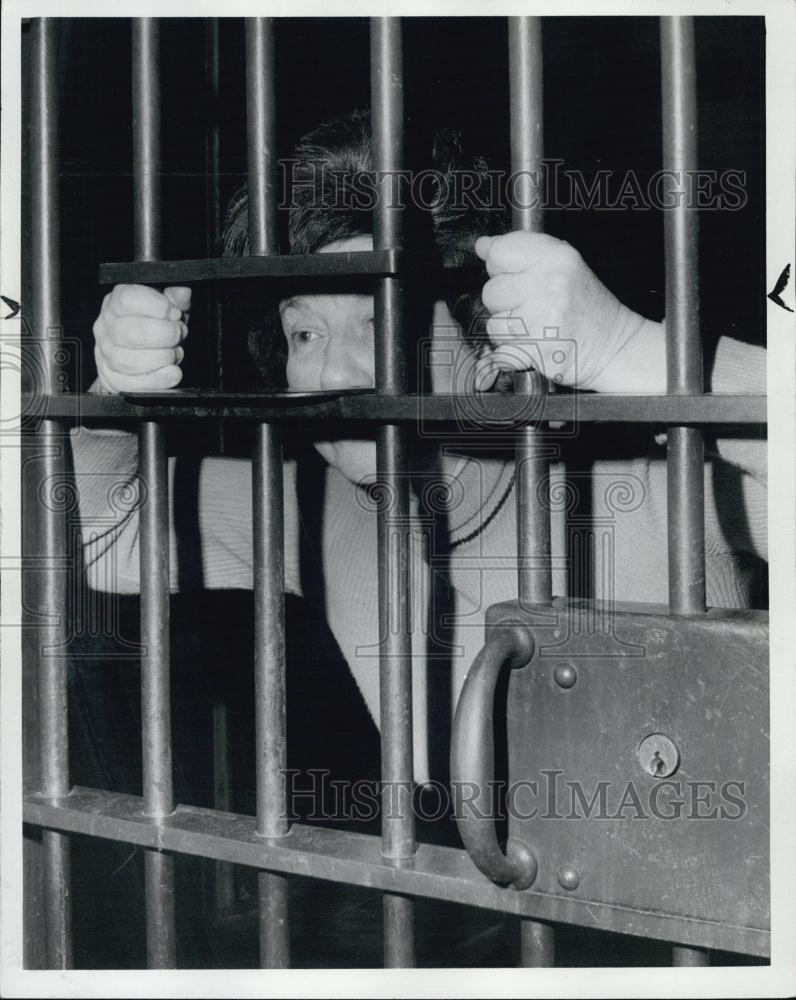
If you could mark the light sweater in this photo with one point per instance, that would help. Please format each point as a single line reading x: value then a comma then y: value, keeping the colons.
x: 458, y: 573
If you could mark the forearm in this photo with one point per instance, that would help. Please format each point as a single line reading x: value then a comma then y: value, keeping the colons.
x: 105, y: 464
x: 736, y: 502
x: 741, y: 368
x: 110, y: 492
x: 639, y: 363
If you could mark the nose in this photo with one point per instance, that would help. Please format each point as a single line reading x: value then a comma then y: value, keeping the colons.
x: 347, y: 365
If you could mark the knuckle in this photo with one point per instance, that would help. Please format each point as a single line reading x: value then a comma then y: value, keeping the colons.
x: 567, y: 255
x: 524, y: 240
x: 122, y: 296
x: 518, y: 244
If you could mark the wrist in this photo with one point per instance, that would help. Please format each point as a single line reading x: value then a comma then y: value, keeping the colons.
x: 98, y: 388
x: 638, y: 364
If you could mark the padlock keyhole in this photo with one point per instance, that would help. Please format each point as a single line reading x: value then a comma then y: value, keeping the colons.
x: 658, y: 755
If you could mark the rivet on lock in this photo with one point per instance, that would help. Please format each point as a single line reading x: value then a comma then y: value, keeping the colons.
x: 658, y: 755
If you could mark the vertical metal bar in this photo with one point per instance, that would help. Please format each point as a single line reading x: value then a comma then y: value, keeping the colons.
x: 269, y: 686
x: 146, y: 138
x: 154, y: 519
x: 690, y: 957
x: 399, y: 932
x: 527, y: 149
x: 269, y: 650
x: 387, y: 114
x: 34, y: 907
x: 274, y: 926
x: 684, y: 375
x: 213, y: 130
x: 534, y: 578
x: 50, y: 516
x: 681, y: 232
x: 534, y: 573
x: 158, y: 796
x: 686, y: 465
x: 224, y: 872
x: 269, y: 632
x: 527, y: 121
x: 395, y: 659
x: 261, y: 135
x: 683, y: 340
x: 213, y: 199
x: 537, y: 945
x: 155, y: 689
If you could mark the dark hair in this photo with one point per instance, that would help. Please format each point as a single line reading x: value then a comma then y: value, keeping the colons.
x: 328, y: 171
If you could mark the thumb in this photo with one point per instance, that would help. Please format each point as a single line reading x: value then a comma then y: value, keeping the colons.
x: 179, y: 297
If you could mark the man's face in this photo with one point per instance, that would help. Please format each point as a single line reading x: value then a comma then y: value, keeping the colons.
x: 330, y: 346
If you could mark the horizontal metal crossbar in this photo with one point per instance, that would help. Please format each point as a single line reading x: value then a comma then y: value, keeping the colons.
x: 339, y: 856
x: 468, y: 413
x: 362, y: 264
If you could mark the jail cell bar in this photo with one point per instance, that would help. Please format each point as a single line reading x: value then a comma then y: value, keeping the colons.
x: 223, y: 873
x: 46, y: 535
x: 154, y: 519
x: 685, y: 449
x: 534, y: 572
x: 395, y: 649
x: 269, y: 616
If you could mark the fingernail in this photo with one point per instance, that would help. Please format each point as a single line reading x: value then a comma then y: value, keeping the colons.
x: 184, y: 330
x: 180, y: 353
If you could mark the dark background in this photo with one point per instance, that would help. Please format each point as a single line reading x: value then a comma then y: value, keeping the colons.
x: 602, y: 111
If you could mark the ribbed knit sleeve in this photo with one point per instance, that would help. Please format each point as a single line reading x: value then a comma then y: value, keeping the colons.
x: 736, y: 509
x: 110, y: 492
x: 738, y: 368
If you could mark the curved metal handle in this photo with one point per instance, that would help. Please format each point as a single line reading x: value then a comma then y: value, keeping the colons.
x: 473, y: 758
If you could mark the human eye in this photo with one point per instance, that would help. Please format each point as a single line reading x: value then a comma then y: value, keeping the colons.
x: 300, y: 338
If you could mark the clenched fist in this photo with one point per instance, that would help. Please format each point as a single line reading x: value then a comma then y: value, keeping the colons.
x: 550, y: 312
x: 138, y: 336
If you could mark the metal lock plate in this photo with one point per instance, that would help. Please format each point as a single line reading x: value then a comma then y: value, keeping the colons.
x: 646, y: 771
